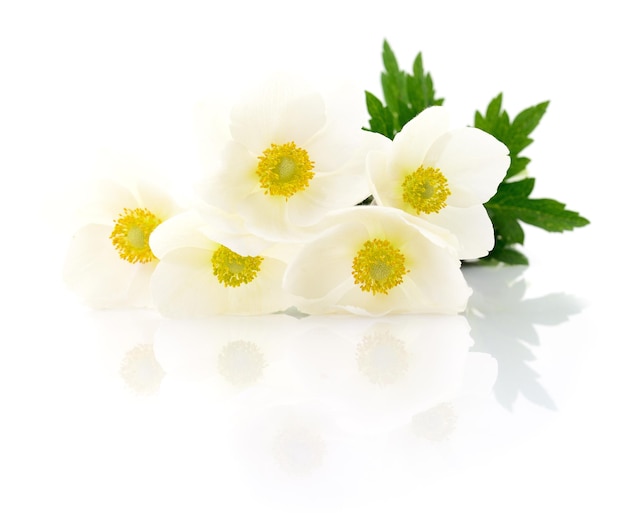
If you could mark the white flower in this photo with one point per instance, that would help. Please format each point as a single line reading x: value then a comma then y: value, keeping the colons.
x: 109, y: 260
x: 198, y: 276
x: 378, y: 260
x: 293, y: 157
x: 443, y: 176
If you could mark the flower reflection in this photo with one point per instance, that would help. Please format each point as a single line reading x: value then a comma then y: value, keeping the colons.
x: 141, y: 371
x: 126, y: 341
x: 378, y: 373
x: 298, y: 450
x: 298, y: 455
x: 364, y: 384
x: 241, y: 363
x: 436, y: 424
x: 382, y: 358
x: 321, y: 409
x: 227, y: 355
x: 504, y: 324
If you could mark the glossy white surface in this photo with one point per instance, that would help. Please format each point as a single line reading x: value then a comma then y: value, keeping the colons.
x: 124, y: 419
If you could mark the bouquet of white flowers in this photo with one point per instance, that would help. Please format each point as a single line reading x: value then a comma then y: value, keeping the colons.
x: 312, y: 210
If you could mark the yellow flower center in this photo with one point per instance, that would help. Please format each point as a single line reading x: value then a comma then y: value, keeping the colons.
x: 425, y: 190
x: 232, y: 269
x: 284, y: 170
x: 131, y: 235
x: 378, y: 266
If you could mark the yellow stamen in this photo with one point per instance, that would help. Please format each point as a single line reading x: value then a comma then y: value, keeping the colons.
x: 425, y: 190
x: 131, y: 235
x: 378, y: 266
x: 232, y: 269
x: 284, y: 170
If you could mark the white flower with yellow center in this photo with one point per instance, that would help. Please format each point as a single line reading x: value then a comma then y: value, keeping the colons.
x: 199, y: 276
x: 293, y: 156
x: 109, y: 261
x: 443, y: 176
x: 378, y: 260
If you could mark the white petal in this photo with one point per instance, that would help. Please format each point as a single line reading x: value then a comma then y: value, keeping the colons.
x: 411, y: 144
x: 104, y: 201
x: 179, y: 231
x: 155, y: 199
x: 230, y: 231
x: 235, y: 180
x: 326, y: 262
x: 94, y: 270
x: 322, y: 272
x: 266, y: 216
x: 386, y: 187
x: 300, y: 120
x: 256, y: 121
x: 326, y: 193
x: 473, y: 162
x: 434, y: 284
x: 471, y: 226
x: 183, y: 285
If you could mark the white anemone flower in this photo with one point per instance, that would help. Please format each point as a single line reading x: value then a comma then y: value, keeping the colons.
x: 293, y: 156
x: 378, y: 260
x: 109, y: 261
x: 198, y: 276
x: 442, y: 175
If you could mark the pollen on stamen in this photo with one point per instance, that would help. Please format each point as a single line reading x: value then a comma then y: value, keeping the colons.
x: 233, y: 270
x: 131, y: 235
x: 284, y: 170
x: 378, y: 266
x: 425, y: 190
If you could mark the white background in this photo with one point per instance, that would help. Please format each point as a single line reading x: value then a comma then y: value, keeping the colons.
x: 79, y: 449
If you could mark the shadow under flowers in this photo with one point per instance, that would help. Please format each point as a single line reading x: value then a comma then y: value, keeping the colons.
x: 504, y: 324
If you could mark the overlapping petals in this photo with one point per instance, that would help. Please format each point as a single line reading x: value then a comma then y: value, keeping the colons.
x: 378, y: 260
x: 109, y: 261
x: 312, y: 149
x: 197, y: 276
x: 466, y: 166
x: 278, y: 224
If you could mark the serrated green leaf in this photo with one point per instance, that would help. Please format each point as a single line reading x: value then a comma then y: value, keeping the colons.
x: 513, y: 190
x: 493, y: 109
x: 518, y: 164
x: 514, y: 134
x: 545, y: 213
x: 523, y: 125
x: 405, y: 95
x: 381, y: 120
x: 389, y: 59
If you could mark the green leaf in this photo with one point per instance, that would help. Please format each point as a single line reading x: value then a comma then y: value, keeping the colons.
x: 511, y: 190
x: 514, y: 134
x: 545, y: 213
x: 509, y: 230
x: 509, y: 255
x: 512, y: 204
x: 405, y: 95
x: 381, y: 120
